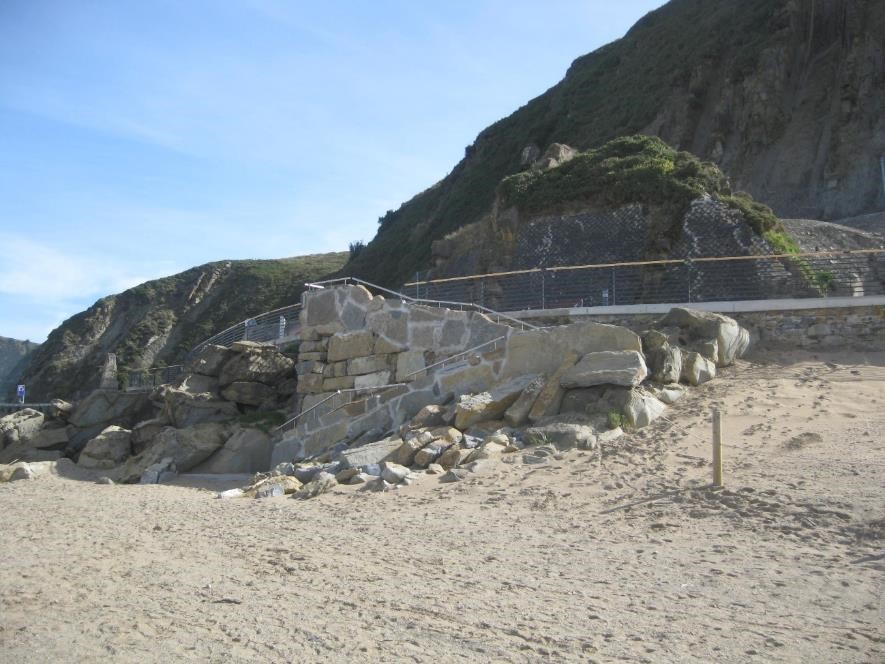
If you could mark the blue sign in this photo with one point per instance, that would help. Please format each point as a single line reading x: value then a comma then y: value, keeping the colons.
x: 20, y: 393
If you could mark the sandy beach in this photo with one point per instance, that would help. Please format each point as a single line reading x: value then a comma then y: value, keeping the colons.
x: 625, y: 554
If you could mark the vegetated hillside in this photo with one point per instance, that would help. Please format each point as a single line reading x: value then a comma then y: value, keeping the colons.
x: 13, y: 355
x: 158, y: 322
x: 784, y: 95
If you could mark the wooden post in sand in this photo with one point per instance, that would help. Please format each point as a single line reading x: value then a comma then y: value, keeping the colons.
x: 717, y: 447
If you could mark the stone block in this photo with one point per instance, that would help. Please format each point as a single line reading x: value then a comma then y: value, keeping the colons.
x: 353, y: 317
x: 642, y: 409
x: 606, y: 368
x: 373, y: 453
x: 372, y: 380
x: 47, y: 439
x: 350, y: 344
x: 320, y: 307
x: 410, y: 366
x: 550, y: 397
x: 310, y: 383
x: 422, y: 336
x: 341, y: 383
x: 386, y: 346
x: 464, y: 378
x: 392, y: 324
x: 359, y: 366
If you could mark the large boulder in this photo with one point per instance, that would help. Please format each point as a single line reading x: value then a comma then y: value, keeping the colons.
x: 550, y: 397
x: 564, y: 435
x: 490, y: 405
x: 59, y: 409
x: 108, y: 449
x: 186, y: 447
x: 248, y: 392
x: 697, y: 369
x: 373, y: 453
x: 351, y: 344
x: 664, y: 359
x: 195, y: 383
x: 55, y: 438
x: 143, y: 433
x: 210, y: 360
x: 185, y: 410
x: 20, y: 426
x: 732, y: 340
x: 642, y: 409
x: 246, y: 451
x: 518, y: 413
x: 256, y: 363
x: 104, y: 407
x: 625, y: 367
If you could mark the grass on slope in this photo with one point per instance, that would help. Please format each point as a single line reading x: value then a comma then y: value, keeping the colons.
x: 615, y: 91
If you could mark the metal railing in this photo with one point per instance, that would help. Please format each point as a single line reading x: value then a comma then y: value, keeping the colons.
x: 277, y: 326
x: 453, y: 358
x: 709, y: 279
x: 494, y: 315
x: 144, y: 380
x: 338, y: 399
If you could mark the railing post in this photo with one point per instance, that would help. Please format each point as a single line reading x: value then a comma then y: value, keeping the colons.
x: 688, y: 272
x: 543, y: 290
x: 614, y: 288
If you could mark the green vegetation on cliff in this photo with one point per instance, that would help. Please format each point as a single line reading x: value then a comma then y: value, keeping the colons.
x: 617, y: 90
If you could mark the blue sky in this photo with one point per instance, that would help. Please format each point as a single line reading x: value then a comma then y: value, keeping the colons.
x: 138, y: 139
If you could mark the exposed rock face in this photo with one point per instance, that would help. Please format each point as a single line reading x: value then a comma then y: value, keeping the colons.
x: 490, y: 405
x: 253, y: 362
x: 731, y: 339
x: 185, y: 410
x: 14, y: 356
x: 246, y: 451
x: 107, y: 406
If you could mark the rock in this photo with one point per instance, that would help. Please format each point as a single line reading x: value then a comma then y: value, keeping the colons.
x: 264, y: 488
x: 22, y: 472
x: 464, y: 378
x: 20, y: 426
x: 322, y: 483
x: 429, y: 416
x: 344, y: 476
x: 195, y: 383
x: 248, y: 450
x: 642, y: 409
x: 143, y: 433
x: 429, y: 454
x: 487, y: 451
x: 671, y: 394
x: 209, y: 360
x: 104, y: 479
x: 448, y: 434
x: 625, y: 367
x: 550, y: 397
x: 410, y: 366
x: 489, y: 405
x: 108, y: 449
x: 732, y: 340
x: 363, y: 478
x: 435, y: 469
x: 50, y: 439
x: 248, y: 392
x: 563, y: 435
x: 259, y: 364
x: 185, y: 410
x: 454, y: 456
x: 454, y: 475
x: 518, y: 413
x: 373, y: 453
x: 393, y: 472
x: 664, y: 360
x: 359, y: 366
x: 697, y: 369
x: 230, y: 493
x: 59, y: 409
x: 405, y: 454
x: 371, y: 380
x: 103, y: 407
x: 156, y: 472
x: 351, y: 344
x: 186, y: 447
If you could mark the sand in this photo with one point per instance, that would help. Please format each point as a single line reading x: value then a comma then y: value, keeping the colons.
x: 620, y: 556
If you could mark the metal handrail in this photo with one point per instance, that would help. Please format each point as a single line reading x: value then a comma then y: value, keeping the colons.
x: 417, y: 300
x: 232, y: 330
x: 367, y: 390
x: 452, y: 357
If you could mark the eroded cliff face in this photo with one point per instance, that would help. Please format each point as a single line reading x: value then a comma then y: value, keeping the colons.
x: 158, y: 322
x: 13, y: 355
x: 803, y: 132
